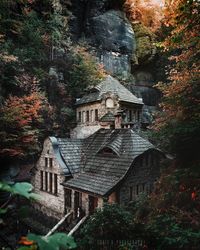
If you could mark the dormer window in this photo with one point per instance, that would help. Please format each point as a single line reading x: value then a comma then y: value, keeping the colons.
x: 106, y: 151
x: 109, y: 103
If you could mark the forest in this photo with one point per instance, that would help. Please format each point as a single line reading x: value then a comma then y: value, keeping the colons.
x: 46, y: 64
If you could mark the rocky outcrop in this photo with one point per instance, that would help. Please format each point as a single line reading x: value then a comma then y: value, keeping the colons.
x: 123, y: 48
x: 145, y: 44
x: 113, y: 36
x: 112, y: 31
x: 105, y: 27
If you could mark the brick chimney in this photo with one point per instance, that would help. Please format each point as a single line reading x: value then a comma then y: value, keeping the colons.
x: 118, y: 119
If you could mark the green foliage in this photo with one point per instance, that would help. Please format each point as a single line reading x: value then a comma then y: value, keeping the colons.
x: 169, y: 217
x: 34, y: 38
x: 84, y: 73
x: 180, y: 122
x: 112, y: 222
x: 23, y: 189
x: 54, y: 242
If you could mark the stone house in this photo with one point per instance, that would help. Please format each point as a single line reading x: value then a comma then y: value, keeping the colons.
x: 113, y: 164
x: 98, y: 108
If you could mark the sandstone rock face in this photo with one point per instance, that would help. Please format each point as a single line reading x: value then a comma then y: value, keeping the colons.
x: 108, y: 31
x: 115, y: 63
x: 113, y: 32
x: 124, y: 49
x: 113, y: 36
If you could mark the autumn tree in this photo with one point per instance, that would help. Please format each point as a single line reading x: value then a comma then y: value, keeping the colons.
x: 180, y: 121
x: 148, y: 12
x: 22, y: 121
x: 173, y: 210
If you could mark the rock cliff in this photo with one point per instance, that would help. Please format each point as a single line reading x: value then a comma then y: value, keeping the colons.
x: 123, y: 48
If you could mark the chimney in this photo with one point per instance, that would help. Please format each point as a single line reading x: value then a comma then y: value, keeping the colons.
x: 118, y: 119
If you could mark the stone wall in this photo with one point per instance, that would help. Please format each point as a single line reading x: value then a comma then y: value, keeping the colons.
x: 141, y: 177
x: 50, y: 204
x: 88, y: 123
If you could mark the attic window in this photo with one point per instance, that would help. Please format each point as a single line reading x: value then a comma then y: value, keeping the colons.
x: 107, y: 151
x: 109, y: 103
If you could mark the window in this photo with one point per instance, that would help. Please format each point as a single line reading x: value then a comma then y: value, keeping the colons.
x: 130, y: 115
x: 135, y: 115
x: 41, y: 180
x: 83, y: 117
x: 146, y: 160
x: 50, y: 162
x: 131, y: 193
x: 55, y: 183
x: 68, y: 197
x: 78, y: 199
x: 109, y: 103
x: 143, y: 187
x: 107, y: 151
x: 46, y: 162
x: 96, y: 114
x: 137, y: 190
x: 147, y: 189
x: 138, y: 115
x: 46, y: 181
x: 92, y: 115
x: 50, y: 182
x: 87, y: 116
x: 79, y: 116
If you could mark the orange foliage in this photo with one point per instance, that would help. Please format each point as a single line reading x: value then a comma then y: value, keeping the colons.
x: 24, y: 241
x: 181, y: 97
x: 149, y: 12
x: 20, y: 121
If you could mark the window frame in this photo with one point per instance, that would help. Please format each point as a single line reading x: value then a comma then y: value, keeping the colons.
x: 96, y: 115
x: 55, y: 184
x: 41, y: 180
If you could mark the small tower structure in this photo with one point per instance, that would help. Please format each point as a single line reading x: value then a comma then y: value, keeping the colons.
x: 109, y: 105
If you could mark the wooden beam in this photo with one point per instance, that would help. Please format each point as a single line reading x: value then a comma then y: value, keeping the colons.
x: 77, y: 226
x: 58, y: 224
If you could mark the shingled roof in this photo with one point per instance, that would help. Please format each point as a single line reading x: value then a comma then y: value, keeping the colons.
x: 71, y: 150
x: 109, y: 85
x: 100, y: 172
x: 108, y: 117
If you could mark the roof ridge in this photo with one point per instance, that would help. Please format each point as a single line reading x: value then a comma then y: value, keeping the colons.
x: 113, y: 85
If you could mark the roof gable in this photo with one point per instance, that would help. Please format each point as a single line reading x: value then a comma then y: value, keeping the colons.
x: 109, y: 85
x: 99, y: 168
x: 71, y: 152
x: 65, y: 169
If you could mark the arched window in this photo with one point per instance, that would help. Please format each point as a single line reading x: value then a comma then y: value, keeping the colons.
x: 109, y: 103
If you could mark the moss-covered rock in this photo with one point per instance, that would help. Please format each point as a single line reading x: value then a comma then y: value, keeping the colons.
x: 145, y: 47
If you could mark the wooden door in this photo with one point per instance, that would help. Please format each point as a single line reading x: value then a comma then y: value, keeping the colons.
x: 93, y: 203
x: 77, y: 201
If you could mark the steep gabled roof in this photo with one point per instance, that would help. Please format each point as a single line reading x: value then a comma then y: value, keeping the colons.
x: 65, y: 169
x: 71, y: 151
x: 101, y: 172
x: 109, y: 85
